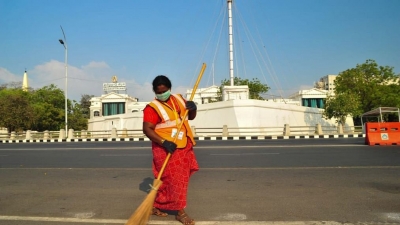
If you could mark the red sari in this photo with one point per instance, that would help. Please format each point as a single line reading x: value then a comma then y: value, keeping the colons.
x: 182, y: 164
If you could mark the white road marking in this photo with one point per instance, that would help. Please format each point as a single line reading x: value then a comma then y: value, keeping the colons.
x: 232, y: 217
x: 84, y: 215
x: 240, y: 154
x: 392, y: 217
x: 155, y: 222
x: 125, y: 155
x: 216, y: 168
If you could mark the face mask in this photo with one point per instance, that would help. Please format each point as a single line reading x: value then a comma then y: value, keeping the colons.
x: 164, y: 96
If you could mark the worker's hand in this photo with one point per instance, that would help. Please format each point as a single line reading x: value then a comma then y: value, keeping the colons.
x: 191, y: 106
x: 169, y: 146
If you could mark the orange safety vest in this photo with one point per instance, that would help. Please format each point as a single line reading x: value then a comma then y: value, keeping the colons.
x: 170, y: 121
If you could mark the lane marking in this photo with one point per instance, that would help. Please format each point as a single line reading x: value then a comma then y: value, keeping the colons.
x: 241, y: 154
x: 155, y: 222
x: 219, y: 168
x: 118, y: 155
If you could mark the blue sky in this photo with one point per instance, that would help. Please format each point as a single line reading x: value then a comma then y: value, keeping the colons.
x: 287, y: 44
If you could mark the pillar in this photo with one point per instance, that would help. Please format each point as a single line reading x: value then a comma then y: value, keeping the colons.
x: 71, y: 134
x: 225, y: 132
x: 318, y: 129
x: 114, y: 133
x: 62, y: 134
x: 286, y: 130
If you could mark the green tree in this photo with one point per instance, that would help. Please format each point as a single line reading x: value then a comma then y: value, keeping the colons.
x: 256, y: 88
x: 49, y: 105
x: 16, y: 111
x: 77, y: 120
x: 375, y: 85
x: 85, y: 105
x: 342, y: 105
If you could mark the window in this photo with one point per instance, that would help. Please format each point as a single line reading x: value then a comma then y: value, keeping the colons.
x: 113, y: 108
x: 96, y: 113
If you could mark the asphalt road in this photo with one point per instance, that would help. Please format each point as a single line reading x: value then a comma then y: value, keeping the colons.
x: 300, y: 181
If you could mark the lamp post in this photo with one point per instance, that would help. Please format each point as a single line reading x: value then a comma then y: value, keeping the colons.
x: 64, y: 43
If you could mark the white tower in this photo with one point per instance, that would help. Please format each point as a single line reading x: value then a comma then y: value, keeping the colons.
x: 233, y: 92
x: 25, y: 82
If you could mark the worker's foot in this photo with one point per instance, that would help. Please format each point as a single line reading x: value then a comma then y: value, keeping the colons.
x: 184, y: 218
x: 158, y: 212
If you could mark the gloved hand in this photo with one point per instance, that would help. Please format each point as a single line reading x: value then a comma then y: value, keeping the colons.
x: 191, y: 106
x: 169, y: 146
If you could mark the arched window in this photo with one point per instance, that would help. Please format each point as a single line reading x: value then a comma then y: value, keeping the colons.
x: 96, y: 113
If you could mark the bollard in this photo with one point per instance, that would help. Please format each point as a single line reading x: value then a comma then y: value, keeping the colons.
x: 124, y: 133
x: 46, y: 135
x: 83, y: 134
x: 114, y: 133
x: 318, y: 129
x: 12, y: 136
x: 62, y: 134
x: 71, y: 134
x: 28, y: 135
x: 286, y: 130
x: 225, y: 132
x: 193, y: 131
x: 340, y: 128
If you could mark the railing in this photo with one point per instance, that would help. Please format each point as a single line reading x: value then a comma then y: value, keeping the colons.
x: 224, y: 131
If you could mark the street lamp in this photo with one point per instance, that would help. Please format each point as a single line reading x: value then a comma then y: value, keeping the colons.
x: 64, y: 43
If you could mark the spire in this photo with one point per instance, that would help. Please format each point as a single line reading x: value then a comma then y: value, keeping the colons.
x: 25, y: 82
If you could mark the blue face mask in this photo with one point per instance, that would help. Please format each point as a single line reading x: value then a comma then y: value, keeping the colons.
x: 164, y: 96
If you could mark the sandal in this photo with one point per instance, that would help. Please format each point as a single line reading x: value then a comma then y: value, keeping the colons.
x: 158, y: 212
x: 184, y: 219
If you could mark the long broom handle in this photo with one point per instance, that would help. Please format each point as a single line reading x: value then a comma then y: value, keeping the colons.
x: 183, y: 120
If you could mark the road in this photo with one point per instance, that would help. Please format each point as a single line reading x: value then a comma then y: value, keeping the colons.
x: 301, y: 181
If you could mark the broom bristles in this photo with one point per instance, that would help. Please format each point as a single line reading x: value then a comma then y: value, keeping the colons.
x: 142, y: 214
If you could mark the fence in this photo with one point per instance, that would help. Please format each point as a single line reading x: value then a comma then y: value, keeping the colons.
x: 224, y: 131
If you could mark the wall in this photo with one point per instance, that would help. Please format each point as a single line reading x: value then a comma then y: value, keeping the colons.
x: 233, y: 113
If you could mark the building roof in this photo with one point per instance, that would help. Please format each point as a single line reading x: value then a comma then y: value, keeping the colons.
x: 381, y: 110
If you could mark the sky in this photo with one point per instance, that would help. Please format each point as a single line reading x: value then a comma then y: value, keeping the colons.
x: 287, y: 44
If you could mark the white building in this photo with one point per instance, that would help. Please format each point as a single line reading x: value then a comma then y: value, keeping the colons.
x: 313, y: 98
x: 326, y: 83
x: 304, y: 108
x: 114, y: 104
x: 205, y: 95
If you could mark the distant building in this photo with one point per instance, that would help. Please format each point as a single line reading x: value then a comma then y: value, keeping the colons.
x: 112, y: 102
x: 205, y: 95
x: 311, y: 98
x: 326, y: 83
x: 214, y: 94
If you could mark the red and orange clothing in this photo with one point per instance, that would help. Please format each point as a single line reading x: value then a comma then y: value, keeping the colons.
x: 182, y: 164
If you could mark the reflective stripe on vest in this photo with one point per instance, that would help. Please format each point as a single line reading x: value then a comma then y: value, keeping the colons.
x: 160, y: 107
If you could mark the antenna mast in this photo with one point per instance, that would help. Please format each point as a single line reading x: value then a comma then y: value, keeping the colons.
x: 230, y: 28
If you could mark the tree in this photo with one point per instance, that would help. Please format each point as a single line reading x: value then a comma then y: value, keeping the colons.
x: 256, y: 88
x: 85, y: 105
x: 374, y: 85
x: 49, y: 105
x: 16, y: 111
x: 77, y: 119
x: 342, y: 105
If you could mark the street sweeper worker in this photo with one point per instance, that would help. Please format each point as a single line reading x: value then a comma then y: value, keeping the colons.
x: 161, y: 120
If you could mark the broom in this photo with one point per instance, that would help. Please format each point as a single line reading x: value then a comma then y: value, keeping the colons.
x: 143, y: 212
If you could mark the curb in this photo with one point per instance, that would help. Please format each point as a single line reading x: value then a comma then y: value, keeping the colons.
x: 196, y: 138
